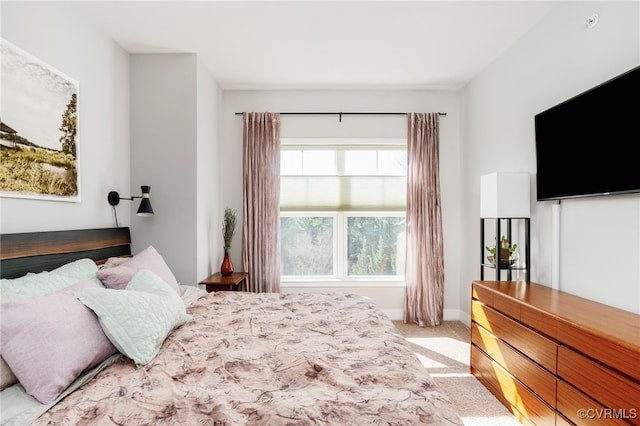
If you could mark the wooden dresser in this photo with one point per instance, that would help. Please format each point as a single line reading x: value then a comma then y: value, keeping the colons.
x: 553, y: 358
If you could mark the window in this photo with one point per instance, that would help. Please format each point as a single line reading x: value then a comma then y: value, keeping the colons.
x: 307, y: 245
x: 372, y: 245
x: 342, y: 208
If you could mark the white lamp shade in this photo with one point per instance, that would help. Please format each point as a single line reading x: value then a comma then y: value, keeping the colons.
x: 504, y: 195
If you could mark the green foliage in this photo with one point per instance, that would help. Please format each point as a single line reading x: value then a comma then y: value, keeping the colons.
x: 228, y: 226
x: 69, y: 126
x: 27, y: 170
x: 306, y: 246
x: 372, y: 249
x: 504, y: 244
x: 373, y: 245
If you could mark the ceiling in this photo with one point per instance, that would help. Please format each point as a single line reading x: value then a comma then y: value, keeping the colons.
x: 325, y: 44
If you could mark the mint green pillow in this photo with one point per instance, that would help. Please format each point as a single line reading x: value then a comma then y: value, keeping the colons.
x: 47, y: 282
x: 139, y: 318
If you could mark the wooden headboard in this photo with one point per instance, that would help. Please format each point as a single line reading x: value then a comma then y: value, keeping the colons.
x: 43, y: 251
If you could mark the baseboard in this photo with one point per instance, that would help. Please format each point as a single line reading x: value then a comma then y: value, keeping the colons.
x: 448, y: 315
x: 451, y: 315
x: 465, y: 318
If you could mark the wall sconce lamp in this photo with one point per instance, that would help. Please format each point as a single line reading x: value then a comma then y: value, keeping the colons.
x: 145, y: 205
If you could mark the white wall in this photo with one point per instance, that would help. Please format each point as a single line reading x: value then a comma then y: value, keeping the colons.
x: 559, y: 58
x: 390, y: 298
x: 174, y: 133
x: 164, y: 156
x: 208, y: 176
x: 56, y: 34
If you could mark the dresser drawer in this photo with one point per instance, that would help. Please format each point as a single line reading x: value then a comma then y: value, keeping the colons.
x: 541, y: 321
x: 562, y: 421
x: 536, y: 378
x: 534, y: 345
x: 524, y: 334
x: 514, y: 395
x: 497, y: 301
x: 612, y: 390
x: 604, y: 350
x: 482, y: 294
x: 581, y: 409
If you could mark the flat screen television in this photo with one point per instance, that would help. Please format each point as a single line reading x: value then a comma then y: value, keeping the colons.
x: 588, y: 145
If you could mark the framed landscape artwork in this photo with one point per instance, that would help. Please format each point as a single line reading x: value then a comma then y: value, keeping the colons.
x: 39, y: 129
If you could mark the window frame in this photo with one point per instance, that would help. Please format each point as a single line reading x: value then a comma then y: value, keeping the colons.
x: 340, y: 248
x: 340, y: 279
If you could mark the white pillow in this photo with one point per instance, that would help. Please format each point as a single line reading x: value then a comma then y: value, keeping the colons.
x: 138, y: 319
x: 190, y: 294
x: 40, y: 284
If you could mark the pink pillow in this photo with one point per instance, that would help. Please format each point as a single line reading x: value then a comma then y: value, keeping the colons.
x: 49, y: 341
x: 118, y: 277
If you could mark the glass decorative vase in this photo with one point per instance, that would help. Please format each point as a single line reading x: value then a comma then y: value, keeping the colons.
x: 226, y: 269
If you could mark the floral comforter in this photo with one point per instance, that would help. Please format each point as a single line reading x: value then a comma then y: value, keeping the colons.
x: 269, y: 359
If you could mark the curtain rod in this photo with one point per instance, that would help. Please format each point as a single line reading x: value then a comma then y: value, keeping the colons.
x: 340, y: 114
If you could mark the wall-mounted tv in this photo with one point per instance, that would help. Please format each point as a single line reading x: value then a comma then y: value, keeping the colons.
x: 587, y: 145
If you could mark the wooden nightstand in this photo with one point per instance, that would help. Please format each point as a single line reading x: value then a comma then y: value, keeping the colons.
x: 218, y: 282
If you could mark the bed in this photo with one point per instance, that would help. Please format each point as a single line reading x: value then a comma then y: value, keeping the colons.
x: 227, y: 358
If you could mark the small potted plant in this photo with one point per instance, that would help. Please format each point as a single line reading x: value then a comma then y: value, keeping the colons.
x: 506, y: 252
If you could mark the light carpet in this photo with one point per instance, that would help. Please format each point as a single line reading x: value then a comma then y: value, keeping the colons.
x: 444, y: 351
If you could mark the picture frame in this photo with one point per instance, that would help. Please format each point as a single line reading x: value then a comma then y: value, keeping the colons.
x: 39, y: 122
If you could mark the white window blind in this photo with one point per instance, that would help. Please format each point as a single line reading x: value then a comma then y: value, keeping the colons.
x: 329, y: 175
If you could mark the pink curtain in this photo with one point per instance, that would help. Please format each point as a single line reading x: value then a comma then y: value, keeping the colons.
x: 424, y: 270
x: 261, y: 206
